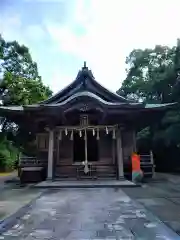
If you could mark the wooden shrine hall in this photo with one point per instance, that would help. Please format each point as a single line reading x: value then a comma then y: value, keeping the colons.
x: 83, y: 131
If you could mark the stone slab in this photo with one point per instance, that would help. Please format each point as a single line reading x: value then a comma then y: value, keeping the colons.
x: 86, y: 184
x: 14, y: 203
x: 162, y: 199
x: 109, y: 214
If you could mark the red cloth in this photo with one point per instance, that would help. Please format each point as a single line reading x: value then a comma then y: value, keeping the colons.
x: 136, y: 165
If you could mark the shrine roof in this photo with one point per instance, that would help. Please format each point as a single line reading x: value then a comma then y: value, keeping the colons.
x: 160, y: 105
x: 86, y: 94
x: 82, y: 88
x: 85, y: 81
x: 116, y: 105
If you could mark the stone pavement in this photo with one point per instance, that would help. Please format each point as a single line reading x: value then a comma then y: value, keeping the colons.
x: 13, y: 197
x: 162, y: 198
x: 170, y: 177
x: 84, y: 214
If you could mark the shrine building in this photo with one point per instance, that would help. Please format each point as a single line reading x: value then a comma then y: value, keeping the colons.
x: 85, y: 130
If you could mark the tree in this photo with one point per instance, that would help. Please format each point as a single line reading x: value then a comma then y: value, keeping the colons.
x: 17, y: 90
x: 20, y: 84
x: 20, y: 81
x: 153, y: 76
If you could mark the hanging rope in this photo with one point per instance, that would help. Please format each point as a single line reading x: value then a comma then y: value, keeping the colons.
x: 95, y: 131
x: 107, y: 130
x: 85, y: 135
x: 71, y: 137
x: 80, y: 133
x: 98, y: 134
x: 66, y: 131
x: 114, y: 134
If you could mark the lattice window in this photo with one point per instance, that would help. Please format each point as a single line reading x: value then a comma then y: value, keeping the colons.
x: 84, y: 121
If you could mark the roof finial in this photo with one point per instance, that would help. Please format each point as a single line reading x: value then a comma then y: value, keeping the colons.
x: 84, y: 65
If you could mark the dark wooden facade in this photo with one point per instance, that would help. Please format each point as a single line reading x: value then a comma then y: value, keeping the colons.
x: 85, y: 130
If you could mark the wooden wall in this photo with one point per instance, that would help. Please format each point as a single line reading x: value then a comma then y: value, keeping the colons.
x: 128, y: 146
x: 64, y: 150
x: 42, y: 140
x: 105, y: 145
x: 128, y: 143
x: 64, y: 165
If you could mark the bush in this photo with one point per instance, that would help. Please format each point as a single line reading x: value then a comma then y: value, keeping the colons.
x: 8, y: 154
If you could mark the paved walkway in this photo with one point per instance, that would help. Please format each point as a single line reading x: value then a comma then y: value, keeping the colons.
x: 172, y: 178
x: 7, y: 177
x: 86, y: 214
x: 13, y: 196
x: 162, y: 197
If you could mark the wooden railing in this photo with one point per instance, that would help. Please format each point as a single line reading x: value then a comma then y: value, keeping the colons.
x: 32, y: 162
x: 76, y: 170
x: 147, y: 165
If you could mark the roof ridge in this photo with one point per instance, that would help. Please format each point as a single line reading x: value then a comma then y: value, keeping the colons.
x: 86, y: 77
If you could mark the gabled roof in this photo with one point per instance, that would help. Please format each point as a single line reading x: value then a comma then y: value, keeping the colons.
x: 82, y: 88
x: 85, y: 81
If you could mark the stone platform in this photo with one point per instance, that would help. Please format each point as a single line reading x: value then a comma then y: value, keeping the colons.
x: 86, y: 184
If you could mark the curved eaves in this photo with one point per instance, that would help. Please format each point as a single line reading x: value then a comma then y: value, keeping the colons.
x: 12, y: 108
x: 161, y: 105
x: 59, y: 94
x: 63, y: 92
x: 113, y: 95
x: 11, y: 111
x: 94, y: 97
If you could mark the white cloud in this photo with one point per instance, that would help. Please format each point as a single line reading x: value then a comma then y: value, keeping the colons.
x: 113, y: 29
x: 44, y: 1
x: 10, y: 26
x: 35, y: 32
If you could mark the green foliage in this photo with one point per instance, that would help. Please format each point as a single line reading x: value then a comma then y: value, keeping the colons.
x: 20, y: 84
x: 153, y: 76
x: 22, y: 91
x: 8, y: 153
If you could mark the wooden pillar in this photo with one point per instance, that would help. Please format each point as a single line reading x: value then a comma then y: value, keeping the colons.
x: 50, y: 155
x: 119, y: 155
x: 113, y: 151
x: 134, y: 141
x: 152, y: 162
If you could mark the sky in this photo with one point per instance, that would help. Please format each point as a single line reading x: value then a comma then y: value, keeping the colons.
x: 62, y: 34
